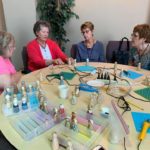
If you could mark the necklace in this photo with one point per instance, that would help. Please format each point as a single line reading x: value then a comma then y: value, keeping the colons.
x: 42, y: 44
x: 89, y: 47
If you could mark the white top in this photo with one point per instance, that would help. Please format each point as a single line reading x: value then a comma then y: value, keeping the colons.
x: 46, y: 52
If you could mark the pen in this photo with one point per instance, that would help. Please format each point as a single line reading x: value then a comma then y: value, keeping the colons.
x: 136, y: 106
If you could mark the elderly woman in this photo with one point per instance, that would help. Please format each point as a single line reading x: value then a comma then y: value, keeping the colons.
x: 42, y: 51
x: 90, y: 48
x: 141, y: 42
x: 8, y: 74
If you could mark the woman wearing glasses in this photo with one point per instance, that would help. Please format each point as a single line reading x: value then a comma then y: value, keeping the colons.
x: 90, y: 48
x: 141, y: 43
x: 8, y: 74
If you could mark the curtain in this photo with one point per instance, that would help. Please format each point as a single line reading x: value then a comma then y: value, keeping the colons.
x: 2, y: 18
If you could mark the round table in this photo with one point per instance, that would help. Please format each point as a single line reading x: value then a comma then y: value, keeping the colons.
x: 51, y: 92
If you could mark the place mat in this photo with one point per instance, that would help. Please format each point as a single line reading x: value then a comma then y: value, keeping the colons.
x: 132, y: 75
x: 66, y: 75
x: 139, y: 119
x: 85, y: 68
x: 144, y: 93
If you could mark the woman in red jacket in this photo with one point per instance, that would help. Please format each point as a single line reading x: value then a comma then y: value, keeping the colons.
x: 42, y: 51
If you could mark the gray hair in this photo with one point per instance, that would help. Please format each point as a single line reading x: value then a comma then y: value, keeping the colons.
x: 5, y: 39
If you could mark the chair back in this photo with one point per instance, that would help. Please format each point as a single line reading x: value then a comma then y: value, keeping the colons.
x: 73, y: 51
x: 25, y: 58
x: 113, y: 47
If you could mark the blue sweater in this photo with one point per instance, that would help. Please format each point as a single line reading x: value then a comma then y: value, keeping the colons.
x: 95, y: 54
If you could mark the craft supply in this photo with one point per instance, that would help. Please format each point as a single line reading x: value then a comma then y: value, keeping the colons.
x: 146, y: 126
x: 87, y: 61
x: 139, y: 66
x: 132, y: 74
x: 139, y: 118
x: 69, y: 146
x: 61, y: 80
x: 69, y: 62
x: 75, y: 62
x: 55, y: 142
x: 24, y: 103
x: 145, y: 92
x: 85, y: 68
x: 15, y: 104
x: 136, y: 106
x: 73, y: 99
x: 77, y: 91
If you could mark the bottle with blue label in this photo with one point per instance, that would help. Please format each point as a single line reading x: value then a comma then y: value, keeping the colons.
x: 24, y: 103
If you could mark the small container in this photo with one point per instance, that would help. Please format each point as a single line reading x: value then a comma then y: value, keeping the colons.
x: 139, y: 66
x: 24, y: 103
x: 87, y: 61
x: 73, y: 99
x: 15, y: 105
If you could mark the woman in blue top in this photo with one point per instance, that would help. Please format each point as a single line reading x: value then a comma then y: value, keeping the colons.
x: 89, y: 48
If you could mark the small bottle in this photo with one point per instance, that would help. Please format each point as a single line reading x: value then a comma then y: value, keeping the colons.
x: 67, y: 122
x: 69, y: 62
x: 15, y: 104
x: 23, y: 85
x: 115, y: 67
x: 61, y: 80
x: 139, y: 66
x: 77, y: 91
x: 55, y: 141
x: 73, y: 99
x: 87, y: 61
x: 75, y: 62
x: 24, y: 103
x: 30, y: 88
x: 121, y: 73
x: 69, y: 145
x: 90, y: 124
x: 45, y: 107
x: 98, y: 77
x: 61, y: 109
x: 8, y: 91
x: 7, y: 101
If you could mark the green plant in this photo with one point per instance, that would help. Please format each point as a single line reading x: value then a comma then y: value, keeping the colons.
x: 58, y: 13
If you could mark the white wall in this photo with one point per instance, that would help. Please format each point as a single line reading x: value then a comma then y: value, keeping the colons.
x: 20, y: 15
x: 113, y: 19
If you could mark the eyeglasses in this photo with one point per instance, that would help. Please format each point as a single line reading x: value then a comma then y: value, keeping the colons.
x: 86, y: 31
x: 134, y: 35
x: 122, y: 103
x: 12, y: 47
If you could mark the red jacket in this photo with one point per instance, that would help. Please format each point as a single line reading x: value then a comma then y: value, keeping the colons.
x: 35, y: 58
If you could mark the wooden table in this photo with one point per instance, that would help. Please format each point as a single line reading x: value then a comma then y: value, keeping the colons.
x: 51, y: 91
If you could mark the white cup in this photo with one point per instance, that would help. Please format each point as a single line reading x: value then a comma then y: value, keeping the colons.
x: 63, y: 91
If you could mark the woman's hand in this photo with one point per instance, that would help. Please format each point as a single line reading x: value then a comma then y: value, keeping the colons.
x: 58, y: 61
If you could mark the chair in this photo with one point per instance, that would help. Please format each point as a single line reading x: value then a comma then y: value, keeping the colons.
x: 25, y: 60
x: 112, y: 48
x: 73, y: 51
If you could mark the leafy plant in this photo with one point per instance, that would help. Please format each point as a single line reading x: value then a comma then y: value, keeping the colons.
x: 58, y: 13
